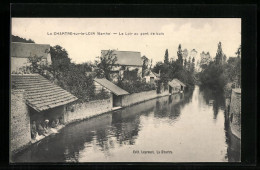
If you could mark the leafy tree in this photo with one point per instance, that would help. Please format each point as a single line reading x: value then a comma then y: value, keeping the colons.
x: 213, y: 77
x: 60, y: 61
x: 166, y: 57
x: 20, y: 39
x: 105, y: 64
x: 145, y: 65
x: 238, y: 52
x: 192, y: 65
x: 189, y: 64
x: 219, y: 55
x: 185, y: 63
x: 179, y: 54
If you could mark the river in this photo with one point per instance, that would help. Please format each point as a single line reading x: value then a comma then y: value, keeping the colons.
x: 187, y: 127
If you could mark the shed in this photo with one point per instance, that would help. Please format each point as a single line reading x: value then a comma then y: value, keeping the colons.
x: 46, y: 100
x: 116, y: 91
x: 176, y: 86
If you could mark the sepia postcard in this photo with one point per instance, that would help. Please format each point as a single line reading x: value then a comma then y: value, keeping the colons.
x: 125, y: 90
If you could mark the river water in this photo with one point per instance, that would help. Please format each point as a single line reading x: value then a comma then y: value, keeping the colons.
x: 187, y: 127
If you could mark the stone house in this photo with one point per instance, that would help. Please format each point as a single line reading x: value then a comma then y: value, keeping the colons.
x: 20, y: 52
x: 128, y: 64
x: 39, y: 100
x: 151, y: 77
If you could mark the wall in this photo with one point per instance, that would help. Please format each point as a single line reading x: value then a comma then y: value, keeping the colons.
x: 80, y: 111
x: 128, y: 100
x: 17, y: 63
x: 235, y: 112
x: 20, y: 134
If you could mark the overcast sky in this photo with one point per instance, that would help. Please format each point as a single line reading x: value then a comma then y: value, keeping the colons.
x: 202, y: 34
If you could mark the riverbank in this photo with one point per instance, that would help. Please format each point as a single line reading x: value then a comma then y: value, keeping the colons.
x: 82, y: 111
x: 233, y: 109
x: 167, y: 123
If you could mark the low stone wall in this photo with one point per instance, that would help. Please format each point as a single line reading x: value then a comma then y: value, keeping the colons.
x: 235, y: 113
x: 85, y: 110
x: 20, y: 135
x: 128, y: 100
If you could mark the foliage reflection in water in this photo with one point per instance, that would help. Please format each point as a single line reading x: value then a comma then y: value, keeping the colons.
x: 187, y: 127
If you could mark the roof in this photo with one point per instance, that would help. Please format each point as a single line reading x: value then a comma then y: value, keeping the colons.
x: 150, y: 74
x: 40, y: 93
x: 129, y: 58
x: 178, y: 81
x: 25, y: 50
x: 110, y: 86
x: 173, y: 84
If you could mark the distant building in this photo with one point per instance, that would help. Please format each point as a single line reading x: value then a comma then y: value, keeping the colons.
x: 151, y: 77
x: 193, y: 53
x: 20, y: 52
x: 126, y: 61
x: 205, y: 59
x: 176, y: 86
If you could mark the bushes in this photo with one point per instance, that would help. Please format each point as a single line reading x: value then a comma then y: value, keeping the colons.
x: 213, y: 77
x: 135, y: 86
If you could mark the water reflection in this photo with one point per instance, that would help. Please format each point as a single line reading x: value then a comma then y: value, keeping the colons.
x: 186, y: 124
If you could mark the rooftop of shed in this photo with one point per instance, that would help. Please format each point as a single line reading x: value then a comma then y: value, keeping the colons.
x: 111, y: 86
x: 40, y: 93
x: 178, y: 82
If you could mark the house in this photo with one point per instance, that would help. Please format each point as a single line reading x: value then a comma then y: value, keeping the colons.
x: 129, y: 64
x: 176, y: 86
x: 20, y: 52
x: 151, y: 77
x: 114, y: 90
x: 44, y: 100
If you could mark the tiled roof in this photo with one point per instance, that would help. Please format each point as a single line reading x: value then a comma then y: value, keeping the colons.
x: 178, y: 81
x: 25, y: 50
x: 40, y: 93
x: 110, y: 86
x: 128, y: 58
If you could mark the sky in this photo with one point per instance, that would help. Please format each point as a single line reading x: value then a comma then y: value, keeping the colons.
x: 201, y: 34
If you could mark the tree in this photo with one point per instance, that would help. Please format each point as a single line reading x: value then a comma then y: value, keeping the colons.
x: 145, y: 65
x: 60, y: 61
x: 213, y: 77
x: 192, y: 65
x: 105, y: 64
x: 166, y: 57
x: 238, y: 52
x: 179, y: 54
x: 20, y: 39
x: 189, y: 64
x: 185, y: 63
x: 224, y: 58
x: 219, y: 55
